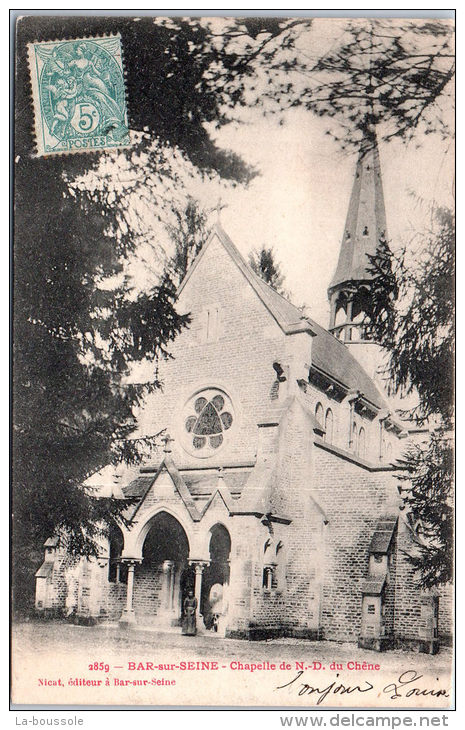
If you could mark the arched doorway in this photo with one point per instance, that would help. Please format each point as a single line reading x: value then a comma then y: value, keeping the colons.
x: 161, y: 580
x: 214, y: 600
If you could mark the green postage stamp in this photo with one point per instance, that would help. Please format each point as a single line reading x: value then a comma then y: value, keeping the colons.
x: 79, y: 95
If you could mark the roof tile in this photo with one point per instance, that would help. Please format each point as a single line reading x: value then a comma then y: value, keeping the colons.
x: 382, y: 535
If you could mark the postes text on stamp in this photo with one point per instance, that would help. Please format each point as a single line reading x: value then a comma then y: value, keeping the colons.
x: 79, y: 95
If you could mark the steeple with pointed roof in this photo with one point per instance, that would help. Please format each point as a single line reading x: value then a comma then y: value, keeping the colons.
x: 365, y: 227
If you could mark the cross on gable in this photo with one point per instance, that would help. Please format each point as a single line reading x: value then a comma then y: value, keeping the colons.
x: 219, y: 208
x: 166, y: 440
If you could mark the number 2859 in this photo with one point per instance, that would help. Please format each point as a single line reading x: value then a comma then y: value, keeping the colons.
x: 99, y: 667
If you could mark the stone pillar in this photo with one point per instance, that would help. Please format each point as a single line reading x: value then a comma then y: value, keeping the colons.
x: 332, y: 316
x: 347, y: 329
x: 198, y: 568
x: 168, y: 585
x: 128, y: 616
x: 172, y: 580
x: 177, y: 591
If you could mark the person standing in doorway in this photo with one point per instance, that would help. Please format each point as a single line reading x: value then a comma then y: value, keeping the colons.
x: 189, y: 625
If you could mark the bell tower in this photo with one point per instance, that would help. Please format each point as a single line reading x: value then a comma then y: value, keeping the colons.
x: 365, y: 227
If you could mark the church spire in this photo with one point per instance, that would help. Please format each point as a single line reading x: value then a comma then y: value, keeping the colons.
x: 365, y: 227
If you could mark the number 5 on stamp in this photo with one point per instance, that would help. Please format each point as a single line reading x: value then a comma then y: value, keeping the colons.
x: 79, y: 95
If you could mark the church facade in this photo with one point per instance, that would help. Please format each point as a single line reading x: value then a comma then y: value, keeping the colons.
x: 274, y: 497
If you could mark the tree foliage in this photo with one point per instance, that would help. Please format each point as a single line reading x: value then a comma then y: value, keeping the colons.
x: 188, y: 232
x: 429, y: 498
x: 411, y: 314
x: 263, y: 262
x: 395, y: 75
x: 77, y: 329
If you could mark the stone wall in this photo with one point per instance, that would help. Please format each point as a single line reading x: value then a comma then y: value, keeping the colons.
x: 410, y: 599
x: 239, y: 360
x: 353, y: 499
x: 148, y: 582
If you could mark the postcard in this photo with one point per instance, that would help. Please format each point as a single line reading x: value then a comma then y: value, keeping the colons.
x: 233, y: 362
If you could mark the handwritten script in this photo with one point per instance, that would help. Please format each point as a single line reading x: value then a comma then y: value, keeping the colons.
x: 407, y: 685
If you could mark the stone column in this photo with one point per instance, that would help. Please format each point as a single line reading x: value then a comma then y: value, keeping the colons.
x: 347, y: 329
x: 172, y: 580
x: 177, y: 591
x: 128, y: 616
x: 168, y: 581
x: 332, y: 318
x: 199, y: 566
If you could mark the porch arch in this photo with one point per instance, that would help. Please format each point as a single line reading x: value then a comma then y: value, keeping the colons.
x: 209, y: 521
x: 163, y: 577
x: 216, y: 578
x: 134, y: 538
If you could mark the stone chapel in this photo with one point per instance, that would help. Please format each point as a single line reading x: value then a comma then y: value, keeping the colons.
x: 274, y: 497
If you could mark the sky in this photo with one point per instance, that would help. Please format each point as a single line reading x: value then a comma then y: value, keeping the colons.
x: 298, y: 202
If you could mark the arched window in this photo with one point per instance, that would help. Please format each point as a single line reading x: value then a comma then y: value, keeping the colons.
x: 319, y: 414
x: 341, y: 315
x: 329, y: 426
x: 361, y: 443
x: 268, y: 577
x: 354, y: 438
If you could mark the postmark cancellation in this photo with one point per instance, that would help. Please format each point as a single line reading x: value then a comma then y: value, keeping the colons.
x: 78, y: 94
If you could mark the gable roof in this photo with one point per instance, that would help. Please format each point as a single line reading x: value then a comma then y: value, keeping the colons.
x: 383, y: 534
x: 45, y: 570
x: 223, y: 494
x: 179, y: 484
x: 138, y: 486
x: 289, y: 318
x: 373, y: 586
x: 201, y: 484
x: 329, y: 354
x: 332, y: 357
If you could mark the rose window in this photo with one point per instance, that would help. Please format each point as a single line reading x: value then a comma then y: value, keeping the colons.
x: 208, y: 417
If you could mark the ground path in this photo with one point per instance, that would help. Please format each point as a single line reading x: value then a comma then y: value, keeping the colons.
x: 53, y: 650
